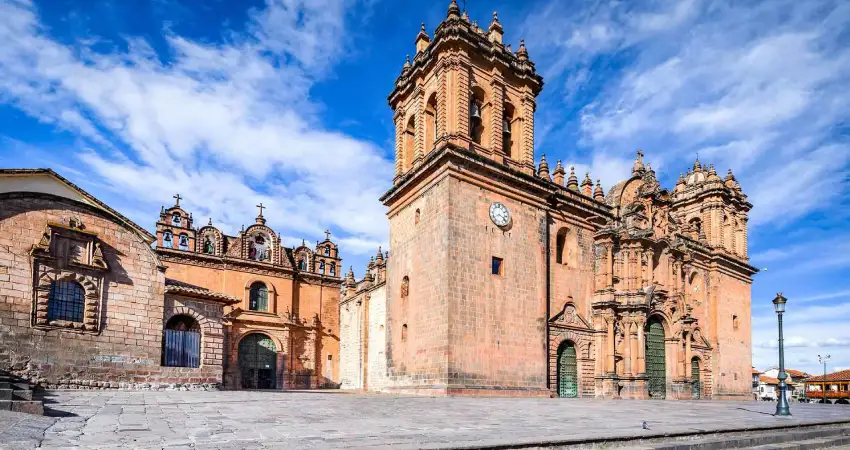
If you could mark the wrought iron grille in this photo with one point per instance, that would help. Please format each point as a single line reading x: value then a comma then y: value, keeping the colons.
x: 695, y: 383
x: 655, y: 360
x: 182, y: 348
x: 259, y: 297
x: 567, y: 372
x: 67, y: 301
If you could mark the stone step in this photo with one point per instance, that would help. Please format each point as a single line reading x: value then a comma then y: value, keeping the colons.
x: 818, y: 437
x: 5, y: 405
x: 811, y: 444
x: 5, y: 394
x: 28, y: 406
x: 19, y: 394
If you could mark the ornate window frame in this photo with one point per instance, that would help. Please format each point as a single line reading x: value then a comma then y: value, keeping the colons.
x: 67, y: 252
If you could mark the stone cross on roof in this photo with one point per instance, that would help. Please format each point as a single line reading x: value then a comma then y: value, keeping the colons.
x: 261, y: 208
x: 178, y: 197
x: 327, y: 235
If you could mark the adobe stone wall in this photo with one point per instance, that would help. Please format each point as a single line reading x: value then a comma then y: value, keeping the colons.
x: 732, y: 356
x: 497, y: 334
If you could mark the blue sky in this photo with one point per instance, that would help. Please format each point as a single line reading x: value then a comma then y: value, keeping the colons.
x: 284, y: 102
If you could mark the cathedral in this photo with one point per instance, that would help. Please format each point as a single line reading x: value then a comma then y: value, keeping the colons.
x: 508, y: 278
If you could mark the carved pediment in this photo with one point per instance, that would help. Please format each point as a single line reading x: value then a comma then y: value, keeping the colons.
x: 568, y: 316
x: 70, y: 244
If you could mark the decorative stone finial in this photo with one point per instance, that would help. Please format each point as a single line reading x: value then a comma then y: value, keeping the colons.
x: 380, y: 256
x: 598, y: 194
x: 587, y: 185
x: 697, y: 165
x: 406, y: 64
x: 422, y: 39
x: 637, y: 167
x: 210, y: 222
x: 454, y: 10
x: 522, y: 53
x: 559, y: 173
x: 543, y: 169
x: 572, y: 184
x: 495, y: 30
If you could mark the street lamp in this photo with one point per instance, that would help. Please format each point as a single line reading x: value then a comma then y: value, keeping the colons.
x: 823, y: 360
x: 782, y: 408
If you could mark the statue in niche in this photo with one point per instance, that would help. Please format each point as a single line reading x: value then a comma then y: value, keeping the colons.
x: 208, y: 246
x: 258, y: 249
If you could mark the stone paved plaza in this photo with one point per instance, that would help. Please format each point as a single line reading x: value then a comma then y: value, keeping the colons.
x: 299, y: 420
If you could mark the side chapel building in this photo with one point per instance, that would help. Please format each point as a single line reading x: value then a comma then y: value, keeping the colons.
x: 509, y: 279
x: 89, y: 299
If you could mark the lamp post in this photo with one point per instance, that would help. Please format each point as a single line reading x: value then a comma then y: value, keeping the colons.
x: 823, y: 360
x: 782, y: 408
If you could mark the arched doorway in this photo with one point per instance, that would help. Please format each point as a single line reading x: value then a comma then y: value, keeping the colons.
x: 257, y: 362
x: 567, y: 370
x: 696, y: 386
x: 656, y: 368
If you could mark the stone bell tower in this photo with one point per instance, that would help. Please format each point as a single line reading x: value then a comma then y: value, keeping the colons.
x: 466, y: 280
x: 465, y: 87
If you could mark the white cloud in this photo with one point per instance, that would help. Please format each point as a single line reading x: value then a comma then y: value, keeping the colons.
x: 227, y: 125
x: 756, y: 86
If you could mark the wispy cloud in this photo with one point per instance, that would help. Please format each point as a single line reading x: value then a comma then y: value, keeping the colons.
x: 227, y: 125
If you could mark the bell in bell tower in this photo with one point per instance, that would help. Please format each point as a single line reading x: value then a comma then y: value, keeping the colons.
x: 465, y: 87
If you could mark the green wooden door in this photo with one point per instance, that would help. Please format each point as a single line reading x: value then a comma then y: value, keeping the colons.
x: 567, y: 371
x: 258, y: 362
x: 695, y: 383
x: 656, y: 368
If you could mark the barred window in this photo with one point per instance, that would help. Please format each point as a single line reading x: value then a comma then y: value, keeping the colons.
x: 259, y: 297
x: 67, y: 301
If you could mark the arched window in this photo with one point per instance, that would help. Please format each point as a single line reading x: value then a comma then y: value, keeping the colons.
x: 416, y: 218
x: 67, y: 301
x: 409, y: 143
x: 184, y: 242
x: 478, y: 113
x: 566, y: 247
x: 508, y: 136
x: 321, y: 267
x: 167, y: 240
x: 328, y: 251
x: 333, y: 269
x: 404, y: 332
x: 258, y: 297
x: 176, y: 219
x: 182, y: 342
x: 431, y: 122
x: 405, y: 287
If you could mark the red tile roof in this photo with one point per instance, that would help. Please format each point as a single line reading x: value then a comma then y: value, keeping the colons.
x: 796, y: 373
x: 842, y: 375
x: 768, y: 380
x: 756, y: 371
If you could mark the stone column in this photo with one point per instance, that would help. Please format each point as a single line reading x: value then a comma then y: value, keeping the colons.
x: 419, y: 139
x: 398, y: 117
x: 640, y: 323
x: 630, y: 350
x: 526, y: 147
x: 611, y: 348
x: 497, y: 111
x: 609, y: 281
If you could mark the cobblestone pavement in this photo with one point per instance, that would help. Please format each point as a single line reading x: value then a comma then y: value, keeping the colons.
x: 303, y: 420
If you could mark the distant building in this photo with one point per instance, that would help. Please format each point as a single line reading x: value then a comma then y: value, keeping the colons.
x: 756, y: 374
x: 794, y: 381
x: 836, y: 385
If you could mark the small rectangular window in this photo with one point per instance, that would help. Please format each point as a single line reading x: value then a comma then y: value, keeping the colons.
x: 498, y: 266
x: 330, y: 357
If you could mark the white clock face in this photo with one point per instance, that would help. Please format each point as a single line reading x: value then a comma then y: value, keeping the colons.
x: 499, y: 214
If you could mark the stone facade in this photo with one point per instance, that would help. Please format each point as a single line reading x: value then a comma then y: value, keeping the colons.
x: 363, y: 317
x: 85, y: 302
x: 506, y: 280
x: 54, y: 236
x: 288, y: 298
